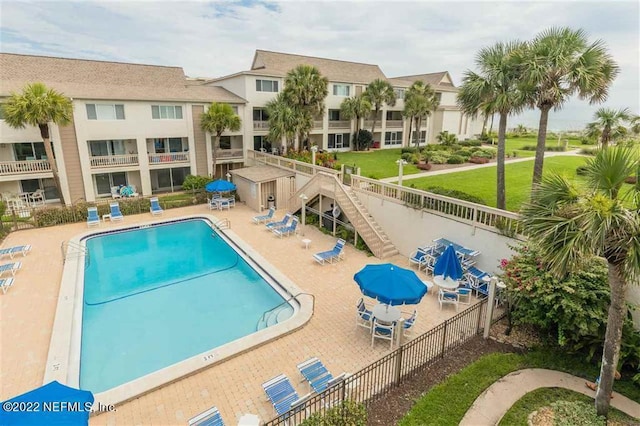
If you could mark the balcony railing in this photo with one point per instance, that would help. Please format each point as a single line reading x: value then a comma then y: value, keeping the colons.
x: 394, y: 123
x: 224, y: 154
x: 341, y: 124
x: 20, y: 167
x: 114, y: 160
x: 171, y: 157
x: 263, y: 125
x: 317, y: 124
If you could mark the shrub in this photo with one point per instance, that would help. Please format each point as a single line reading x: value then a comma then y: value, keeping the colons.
x: 348, y: 413
x: 415, y: 158
x: 424, y: 166
x: 589, y: 151
x: 433, y: 147
x: 3, y: 208
x: 470, y: 143
x: 571, y: 310
x: 454, y: 193
x: 408, y: 150
x: 485, y: 153
x: 406, y: 156
x: 576, y: 413
x: 192, y: 182
x: 557, y: 148
x: 364, y: 138
x: 455, y: 159
x: 463, y: 152
x: 446, y: 138
x: 479, y: 160
x: 581, y: 170
x: 587, y: 141
x: 439, y: 158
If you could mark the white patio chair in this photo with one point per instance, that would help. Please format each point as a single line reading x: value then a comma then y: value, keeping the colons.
x: 382, y: 330
x: 37, y: 197
x: 448, y: 296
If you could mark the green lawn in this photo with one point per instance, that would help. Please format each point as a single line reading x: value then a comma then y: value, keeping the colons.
x: 376, y: 164
x: 482, y: 182
x: 516, y: 144
x: 543, y: 397
x: 447, y: 402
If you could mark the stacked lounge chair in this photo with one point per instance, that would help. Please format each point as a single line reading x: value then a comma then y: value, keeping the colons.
x: 280, y: 224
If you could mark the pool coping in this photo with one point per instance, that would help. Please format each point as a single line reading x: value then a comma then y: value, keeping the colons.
x: 63, y: 360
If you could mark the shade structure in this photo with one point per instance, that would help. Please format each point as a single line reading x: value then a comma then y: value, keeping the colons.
x: 390, y: 284
x: 448, y: 265
x: 220, y: 185
x: 51, y: 404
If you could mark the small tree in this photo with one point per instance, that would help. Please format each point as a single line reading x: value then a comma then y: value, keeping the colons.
x: 364, y: 138
x: 38, y: 106
x: 354, y: 109
x: 379, y: 92
x: 446, y: 138
x: 216, y: 120
x: 608, y: 124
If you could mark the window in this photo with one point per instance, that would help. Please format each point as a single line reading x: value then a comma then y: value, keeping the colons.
x: 168, y: 179
x: 1, y: 112
x: 29, y: 151
x: 105, y: 112
x: 235, y: 109
x: 260, y: 115
x: 422, y: 137
x: 439, y: 97
x: 266, y: 86
x: 259, y: 143
x: 393, y: 138
x: 108, y: 147
x: 166, y: 112
x: 339, y: 140
x: 341, y: 90
x: 166, y: 145
x: 334, y: 115
x: 225, y: 142
x: 394, y: 115
x: 104, y: 182
x: 399, y: 93
x: 47, y: 184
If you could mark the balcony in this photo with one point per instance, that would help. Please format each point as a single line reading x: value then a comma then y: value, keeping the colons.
x: 393, y: 123
x: 317, y: 124
x: 230, y: 154
x: 261, y: 125
x: 340, y: 124
x: 24, y: 167
x: 114, y: 161
x: 170, y: 157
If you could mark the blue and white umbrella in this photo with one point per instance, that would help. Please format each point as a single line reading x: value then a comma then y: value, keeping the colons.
x: 448, y: 265
x: 220, y: 185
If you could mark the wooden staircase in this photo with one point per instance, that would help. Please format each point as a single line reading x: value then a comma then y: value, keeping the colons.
x: 366, y: 227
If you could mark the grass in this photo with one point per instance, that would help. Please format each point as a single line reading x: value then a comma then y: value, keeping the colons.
x: 516, y: 144
x: 447, y: 403
x: 482, y: 182
x: 376, y: 164
x: 543, y: 397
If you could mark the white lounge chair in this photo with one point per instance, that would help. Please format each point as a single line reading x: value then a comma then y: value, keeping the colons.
x: 10, y: 267
x: 92, y: 217
x: 12, y: 251
x: 155, y: 206
x: 5, y: 283
x: 211, y: 417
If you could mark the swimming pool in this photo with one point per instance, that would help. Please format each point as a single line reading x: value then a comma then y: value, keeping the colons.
x: 145, y: 305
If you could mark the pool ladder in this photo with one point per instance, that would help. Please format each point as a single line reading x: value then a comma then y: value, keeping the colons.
x: 69, y: 248
x: 223, y: 224
x: 268, y: 315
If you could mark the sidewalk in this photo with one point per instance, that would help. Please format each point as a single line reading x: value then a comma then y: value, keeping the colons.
x: 498, y: 398
x: 394, y: 179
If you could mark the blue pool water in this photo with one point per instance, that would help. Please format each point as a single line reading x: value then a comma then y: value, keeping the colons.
x: 159, y: 295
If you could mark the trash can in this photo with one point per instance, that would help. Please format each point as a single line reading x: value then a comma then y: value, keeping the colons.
x: 271, y: 201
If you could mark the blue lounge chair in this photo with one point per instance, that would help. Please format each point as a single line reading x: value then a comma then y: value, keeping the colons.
x: 12, y: 251
x: 10, y: 267
x: 116, y: 215
x: 287, y: 230
x: 211, y: 417
x: 5, y: 283
x: 282, y: 395
x: 92, y: 217
x: 265, y: 218
x: 336, y: 253
x: 314, y: 372
x: 155, y: 206
x: 475, y: 280
x: 281, y: 224
x: 418, y: 258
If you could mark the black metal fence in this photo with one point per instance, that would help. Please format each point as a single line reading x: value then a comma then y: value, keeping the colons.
x: 377, y: 379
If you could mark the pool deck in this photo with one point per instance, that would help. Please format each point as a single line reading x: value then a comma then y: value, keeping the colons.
x: 27, y: 313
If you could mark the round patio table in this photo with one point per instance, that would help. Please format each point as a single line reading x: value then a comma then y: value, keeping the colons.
x: 445, y: 283
x: 386, y: 313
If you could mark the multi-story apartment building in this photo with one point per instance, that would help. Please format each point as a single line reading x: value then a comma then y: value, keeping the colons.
x: 140, y: 124
x: 265, y: 79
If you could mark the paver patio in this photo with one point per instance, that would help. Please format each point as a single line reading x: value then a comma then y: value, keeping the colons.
x: 234, y: 386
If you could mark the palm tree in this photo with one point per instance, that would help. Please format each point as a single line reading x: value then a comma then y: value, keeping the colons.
x: 355, y: 108
x: 306, y: 89
x: 572, y: 224
x: 557, y: 64
x: 446, y: 138
x: 635, y: 125
x: 286, y: 120
x: 219, y: 118
x: 608, y: 122
x: 419, y: 102
x: 379, y: 92
x: 494, y: 89
x: 38, y: 106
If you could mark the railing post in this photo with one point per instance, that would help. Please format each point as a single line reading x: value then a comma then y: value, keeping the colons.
x: 479, y: 318
x: 444, y: 338
x: 398, y: 369
x: 490, y: 305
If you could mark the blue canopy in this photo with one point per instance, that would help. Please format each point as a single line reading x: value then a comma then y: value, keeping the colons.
x: 51, y: 404
x: 220, y: 185
x: 390, y: 284
x: 448, y: 264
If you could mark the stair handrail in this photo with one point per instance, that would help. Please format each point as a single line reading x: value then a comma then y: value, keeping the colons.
x: 223, y: 222
x: 66, y: 245
x: 294, y: 200
x: 264, y: 316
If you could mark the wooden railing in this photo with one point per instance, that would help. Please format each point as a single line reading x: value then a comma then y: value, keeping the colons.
x: 477, y: 215
x: 262, y: 125
x: 114, y: 160
x: 171, y: 157
x: 341, y: 124
x: 28, y: 166
x: 230, y: 153
x: 289, y: 164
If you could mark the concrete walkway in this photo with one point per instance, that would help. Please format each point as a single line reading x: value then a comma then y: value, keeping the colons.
x: 491, y: 406
x: 394, y: 179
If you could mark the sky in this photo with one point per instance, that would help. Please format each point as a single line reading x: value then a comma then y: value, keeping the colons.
x: 211, y: 39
